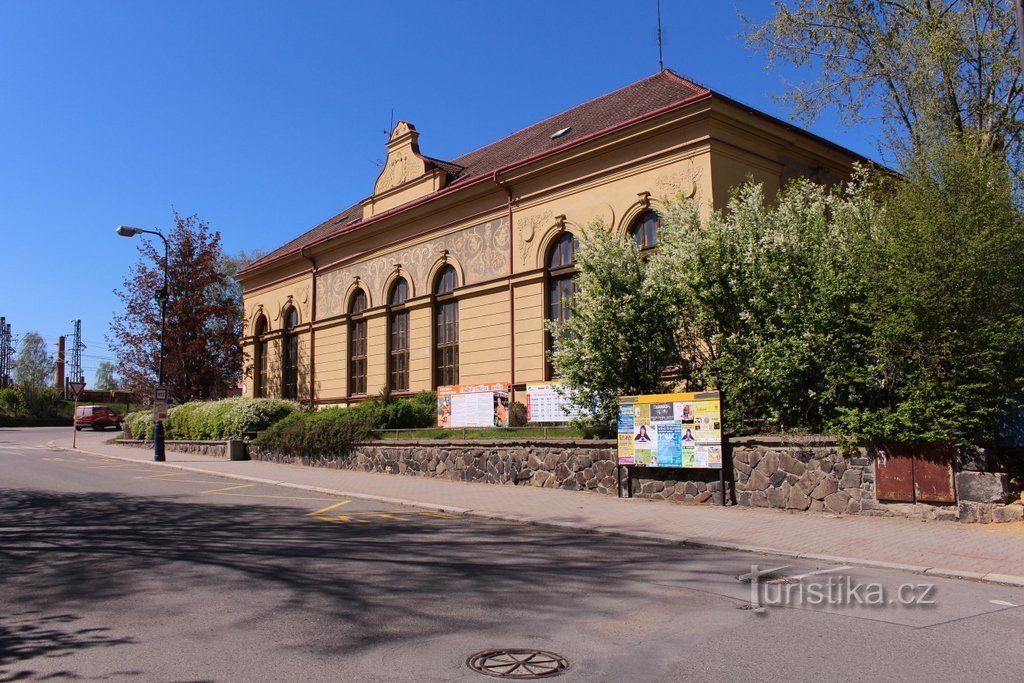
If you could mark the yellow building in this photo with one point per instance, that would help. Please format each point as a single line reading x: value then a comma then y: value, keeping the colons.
x: 446, y: 273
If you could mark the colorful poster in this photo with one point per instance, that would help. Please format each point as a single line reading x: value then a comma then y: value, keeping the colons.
x: 671, y: 430
x: 625, y: 432
x: 473, y: 405
x: 544, y: 403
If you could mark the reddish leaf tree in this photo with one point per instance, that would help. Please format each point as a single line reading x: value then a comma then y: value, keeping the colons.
x: 203, y: 353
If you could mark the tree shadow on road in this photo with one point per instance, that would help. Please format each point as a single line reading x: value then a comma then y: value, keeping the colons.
x: 373, y: 581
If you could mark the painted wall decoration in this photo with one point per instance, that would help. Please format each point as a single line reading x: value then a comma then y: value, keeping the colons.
x: 545, y: 404
x: 473, y: 405
x: 481, y: 250
x: 671, y: 430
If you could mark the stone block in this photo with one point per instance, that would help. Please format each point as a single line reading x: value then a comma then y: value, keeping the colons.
x: 816, y: 506
x: 826, y: 487
x: 742, y: 468
x: 777, y: 479
x: 850, y: 479
x: 797, y: 499
x: 757, y: 481
x: 1008, y: 513
x: 787, y: 463
x: 837, y: 502
x: 743, y: 498
x: 690, y: 489
x: 982, y: 487
x: 758, y: 499
x: 776, y: 498
x: 754, y: 457
x: 703, y: 496
x: 975, y: 513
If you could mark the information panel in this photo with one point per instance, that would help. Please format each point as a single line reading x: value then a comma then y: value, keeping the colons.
x: 545, y: 404
x: 473, y: 405
x: 671, y: 430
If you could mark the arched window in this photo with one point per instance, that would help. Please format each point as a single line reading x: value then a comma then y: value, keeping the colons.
x: 259, y: 359
x: 398, y: 336
x: 645, y: 229
x: 290, y: 353
x: 446, y: 328
x: 561, y: 284
x: 357, y: 344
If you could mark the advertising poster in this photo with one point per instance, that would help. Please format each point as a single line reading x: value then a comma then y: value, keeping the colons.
x: 473, y: 405
x: 671, y: 430
x: 545, y: 404
x: 625, y: 432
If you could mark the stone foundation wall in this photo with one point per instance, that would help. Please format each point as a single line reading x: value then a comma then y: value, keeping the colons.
x: 212, y: 448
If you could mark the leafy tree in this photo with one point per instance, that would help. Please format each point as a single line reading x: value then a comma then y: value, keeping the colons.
x: 947, y: 305
x: 770, y: 296
x: 928, y: 70
x: 105, y: 376
x: 204, y: 322
x: 620, y: 339
x: 33, y: 365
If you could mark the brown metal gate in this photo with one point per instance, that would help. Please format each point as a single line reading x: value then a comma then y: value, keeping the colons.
x: 915, y: 473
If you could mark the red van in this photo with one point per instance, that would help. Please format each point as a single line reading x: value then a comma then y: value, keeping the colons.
x: 97, y: 417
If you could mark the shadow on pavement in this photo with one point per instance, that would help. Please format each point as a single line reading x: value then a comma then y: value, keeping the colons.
x: 393, y: 580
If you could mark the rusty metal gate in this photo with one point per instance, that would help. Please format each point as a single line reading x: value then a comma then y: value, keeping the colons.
x: 915, y: 473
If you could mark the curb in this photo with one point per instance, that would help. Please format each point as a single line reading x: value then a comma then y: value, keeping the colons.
x: 703, y: 543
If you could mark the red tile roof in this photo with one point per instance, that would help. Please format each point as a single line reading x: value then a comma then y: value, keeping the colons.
x: 635, y: 101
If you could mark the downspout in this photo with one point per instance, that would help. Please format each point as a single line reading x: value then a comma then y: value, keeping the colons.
x: 312, y: 332
x: 511, y: 293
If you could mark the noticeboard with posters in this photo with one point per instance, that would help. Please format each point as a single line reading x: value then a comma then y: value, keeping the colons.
x: 671, y: 430
x: 473, y: 405
x: 546, y: 403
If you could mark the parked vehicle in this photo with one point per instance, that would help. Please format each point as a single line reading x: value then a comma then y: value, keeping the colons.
x: 96, y: 417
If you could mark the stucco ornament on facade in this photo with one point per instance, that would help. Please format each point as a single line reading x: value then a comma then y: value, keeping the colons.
x: 482, y: 250
x: 528, y: 232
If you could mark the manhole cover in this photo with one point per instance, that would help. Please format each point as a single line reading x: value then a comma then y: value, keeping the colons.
x: 518, y: 663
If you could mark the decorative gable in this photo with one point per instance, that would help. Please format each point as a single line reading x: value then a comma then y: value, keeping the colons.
x: 407, y: 174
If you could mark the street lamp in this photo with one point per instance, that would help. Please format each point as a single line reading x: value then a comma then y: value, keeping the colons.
x: 161, y: 295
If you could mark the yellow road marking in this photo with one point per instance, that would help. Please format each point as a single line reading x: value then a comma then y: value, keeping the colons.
x: 365, y: 517
x: 257, y: 495
x: 229, y: 488
x: 329, y: 507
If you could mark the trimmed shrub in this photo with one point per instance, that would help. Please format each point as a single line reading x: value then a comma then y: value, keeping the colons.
x: 516, y: 414
x: 333, y: 431
x: 231, y: 418
x: 386, y: 412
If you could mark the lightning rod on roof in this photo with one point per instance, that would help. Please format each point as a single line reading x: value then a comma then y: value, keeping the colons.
x: 661, y: 60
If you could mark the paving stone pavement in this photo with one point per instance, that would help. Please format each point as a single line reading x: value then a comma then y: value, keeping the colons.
x: 991, y: 552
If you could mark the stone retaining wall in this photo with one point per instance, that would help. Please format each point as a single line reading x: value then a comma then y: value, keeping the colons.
x: 213, y: 448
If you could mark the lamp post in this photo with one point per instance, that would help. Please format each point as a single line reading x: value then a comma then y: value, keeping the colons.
x: 161, y: 295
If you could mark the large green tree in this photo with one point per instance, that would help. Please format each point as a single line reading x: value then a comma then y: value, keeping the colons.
x: 620, y: 338
x: 204, y: 320
x: 930, y: 70
x: 33, y: 366
x: 106, y: 378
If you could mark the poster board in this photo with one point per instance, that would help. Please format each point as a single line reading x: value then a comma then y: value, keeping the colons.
x: 545, y: 404
x: 473, y: 405
x: 671, y: 430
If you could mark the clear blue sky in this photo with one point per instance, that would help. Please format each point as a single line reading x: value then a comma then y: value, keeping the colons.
x: 264, y: 118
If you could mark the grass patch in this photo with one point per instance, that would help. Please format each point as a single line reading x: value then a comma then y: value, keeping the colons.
x: 508, y: 433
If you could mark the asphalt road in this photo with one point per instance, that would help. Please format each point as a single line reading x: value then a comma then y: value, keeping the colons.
x: 118, y: 571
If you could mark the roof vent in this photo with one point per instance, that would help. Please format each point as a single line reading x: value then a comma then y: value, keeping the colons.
x: 560, y: 133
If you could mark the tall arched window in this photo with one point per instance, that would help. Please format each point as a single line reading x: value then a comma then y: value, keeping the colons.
x: 645, y: 229
x: 561, y: 284
x: 259, y: 358
x: 290, y: 356
x: 357, y: 345
x: 446, y: 328
x: 398, y: 337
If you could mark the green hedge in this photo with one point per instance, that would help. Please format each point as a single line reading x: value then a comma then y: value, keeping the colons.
x: 230, y: 418
x: 333, y: 431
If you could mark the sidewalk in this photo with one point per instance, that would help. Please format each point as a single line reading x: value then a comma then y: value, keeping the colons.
x: 992, y: 552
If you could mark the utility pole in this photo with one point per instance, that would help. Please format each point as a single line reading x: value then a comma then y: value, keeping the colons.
x: 75, y: 371
x: 5, y: 356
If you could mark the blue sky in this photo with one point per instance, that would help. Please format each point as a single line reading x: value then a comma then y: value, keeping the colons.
x: 264, y: 118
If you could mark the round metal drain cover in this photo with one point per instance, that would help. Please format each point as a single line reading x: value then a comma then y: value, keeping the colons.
x: 519, y: 664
